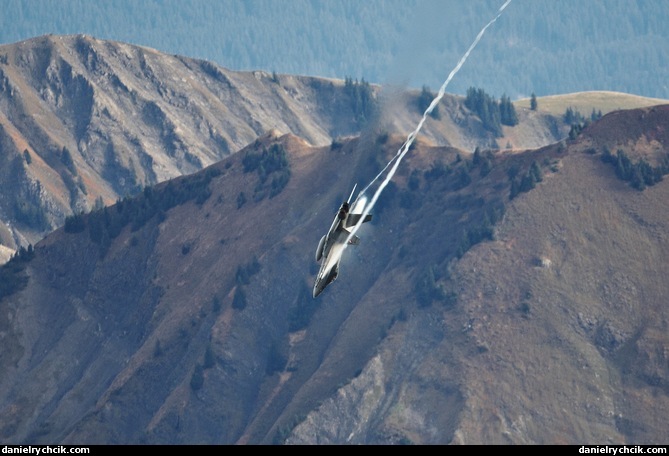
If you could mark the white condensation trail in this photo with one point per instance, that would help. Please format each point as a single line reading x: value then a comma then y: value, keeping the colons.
x: 397, y: 159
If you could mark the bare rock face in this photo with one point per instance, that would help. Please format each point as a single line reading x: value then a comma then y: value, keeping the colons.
x: 85, y: 121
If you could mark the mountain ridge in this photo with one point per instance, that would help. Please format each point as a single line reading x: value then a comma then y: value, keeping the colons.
x: 85, y: 122
x: 511, y: 295
x: 464, y: 316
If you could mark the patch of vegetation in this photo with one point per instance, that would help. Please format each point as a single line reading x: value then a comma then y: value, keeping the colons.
x: 72, y: 187
x: 382, y: 138
x: 425, y: 100
x: 414, y: 180
x: 507, y: 111
x: 533, y: 102
x: 75, y: 223
x: 361, y: 98
x: 336, y: 144
x: 66, y: 159
x: 268, y: 162
x: 106, y: 223
x: 513, y: 170
x: 13, y: 277
x: 209, y: 358
x: 427, y: 289
x: 595, y: 115
x: 524, y: 306
x: 300, y: 313
x: 245, y: 272
x: 157, y: 349
x: 483, y: 160
x: 577, y: 121
x: 640, y: 174
x: 197, y: 379
x: 239, y: 300
x: 30, y: 212
x: 216, y: 304
x: 572, y: 116
x: 461, y: 178
x: 484, y: 231
x: 527, y: 182
x: 276, y: 361
x: 437, y: 171
x: 576, y: 130
x: 241, y: 199
x: 492, y: 113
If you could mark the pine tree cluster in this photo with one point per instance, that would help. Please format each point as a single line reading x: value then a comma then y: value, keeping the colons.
x: 527, y: 182
x: 13, y: 277
x: 272, y: 161
x: 640, y: 174
x: 106, y: 223
x: 492, y: 113
x: 425, y: 100
x: 362, y: 100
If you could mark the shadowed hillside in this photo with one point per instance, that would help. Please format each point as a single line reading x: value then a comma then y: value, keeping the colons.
x: 508, y: 297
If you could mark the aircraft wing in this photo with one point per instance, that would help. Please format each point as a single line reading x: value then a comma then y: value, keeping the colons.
x: 353, y: 219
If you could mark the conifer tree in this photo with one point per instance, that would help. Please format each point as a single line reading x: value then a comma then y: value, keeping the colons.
x: 507, y: 112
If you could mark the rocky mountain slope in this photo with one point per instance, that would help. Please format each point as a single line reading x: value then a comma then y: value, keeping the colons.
x: 510, y: 297
x: 559, y: 334
x: 84, y: 122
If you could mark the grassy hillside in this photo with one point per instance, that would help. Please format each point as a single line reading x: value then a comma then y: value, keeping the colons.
x: 585, y: 102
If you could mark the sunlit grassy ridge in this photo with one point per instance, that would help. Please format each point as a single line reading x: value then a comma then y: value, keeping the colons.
x: 585, y: 102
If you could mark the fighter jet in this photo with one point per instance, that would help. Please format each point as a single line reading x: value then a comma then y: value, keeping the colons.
x: 331, y: 245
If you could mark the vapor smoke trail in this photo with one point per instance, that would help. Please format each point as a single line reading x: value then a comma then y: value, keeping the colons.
x: 397, y: 159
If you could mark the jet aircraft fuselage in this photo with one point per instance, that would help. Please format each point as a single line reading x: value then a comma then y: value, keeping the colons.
x: 332, y: 245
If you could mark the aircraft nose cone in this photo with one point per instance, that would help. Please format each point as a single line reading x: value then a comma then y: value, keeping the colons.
x: 318, y: 288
